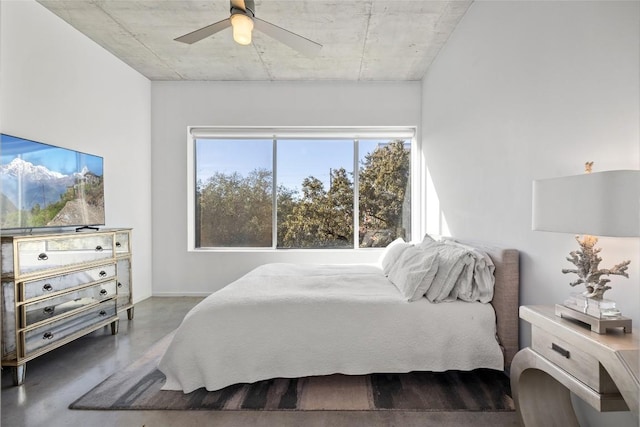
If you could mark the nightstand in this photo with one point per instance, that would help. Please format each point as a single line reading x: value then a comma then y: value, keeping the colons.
x: 565, y: 356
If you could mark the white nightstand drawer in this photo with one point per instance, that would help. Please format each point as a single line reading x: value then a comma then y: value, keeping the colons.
x: 578, y: 363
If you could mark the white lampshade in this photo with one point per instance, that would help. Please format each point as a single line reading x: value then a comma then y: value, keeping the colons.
x: 599, y: 204
x: 242, y: 27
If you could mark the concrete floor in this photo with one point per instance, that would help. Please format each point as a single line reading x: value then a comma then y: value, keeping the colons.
x: 58, y: 378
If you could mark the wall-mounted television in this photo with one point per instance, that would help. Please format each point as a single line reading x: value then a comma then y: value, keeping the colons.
x: 44, y: 186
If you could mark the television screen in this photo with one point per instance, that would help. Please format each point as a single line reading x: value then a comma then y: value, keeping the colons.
x: 47, y: 186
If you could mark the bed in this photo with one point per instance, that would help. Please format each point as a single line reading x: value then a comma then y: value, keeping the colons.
x: 293, y: 320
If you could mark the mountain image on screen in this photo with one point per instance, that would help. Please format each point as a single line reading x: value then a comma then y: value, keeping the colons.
x: 46, y: 186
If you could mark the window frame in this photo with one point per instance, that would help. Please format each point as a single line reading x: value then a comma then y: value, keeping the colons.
x: 350, y: 133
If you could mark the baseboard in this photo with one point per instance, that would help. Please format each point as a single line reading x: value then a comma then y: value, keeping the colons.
x: 181, y: 294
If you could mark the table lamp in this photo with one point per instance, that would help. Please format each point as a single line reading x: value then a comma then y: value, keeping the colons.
x: 592, y: 204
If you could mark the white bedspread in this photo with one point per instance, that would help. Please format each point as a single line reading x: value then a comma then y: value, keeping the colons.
x: 290, y: 320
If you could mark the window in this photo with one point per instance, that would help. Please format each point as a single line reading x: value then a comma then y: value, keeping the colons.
x: 234, y: 188
x: 315, y: 193
x: 308, y: 189
x: 384, y: 191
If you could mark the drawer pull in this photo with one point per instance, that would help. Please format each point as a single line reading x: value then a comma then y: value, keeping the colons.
x: 103, y: 291
x: 102, y: 273
x: 47, y: 287
x: 118, y: 244
x: 98, y: 248
x: 102, y: 313
x: 555, y: 347
x: 47, y: 336
x: 43, y: 257
x: 48, y: 310
x: 119, y: 284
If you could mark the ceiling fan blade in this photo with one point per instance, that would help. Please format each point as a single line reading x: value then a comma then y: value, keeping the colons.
x: 294, y: 41
x: 203, y: 33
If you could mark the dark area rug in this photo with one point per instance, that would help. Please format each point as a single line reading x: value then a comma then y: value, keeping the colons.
x: 138, y: 387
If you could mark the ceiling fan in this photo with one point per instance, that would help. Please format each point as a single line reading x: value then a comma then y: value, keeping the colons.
x: 243, y: 20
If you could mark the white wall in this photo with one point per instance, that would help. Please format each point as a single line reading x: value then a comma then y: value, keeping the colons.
x: 176, y: 105
x: 527, y: 90
x: 59, y: 87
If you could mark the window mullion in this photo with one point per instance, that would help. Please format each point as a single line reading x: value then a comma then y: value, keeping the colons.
x: 356, y: 196
x: 274, y: 192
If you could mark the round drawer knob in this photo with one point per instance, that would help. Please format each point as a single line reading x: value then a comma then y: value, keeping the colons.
x: 47, y: 287
x: 43, y: 257
x: 47, y: 336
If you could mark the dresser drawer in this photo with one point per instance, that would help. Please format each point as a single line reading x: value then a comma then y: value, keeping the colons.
x: 51, y: 308
x: 8, y: 320
x: 578, y: 363
x: 51, y: 285
x: 123, y: 245
x: 54, y: 332
x: 36, y: 256
x: 124, y: 283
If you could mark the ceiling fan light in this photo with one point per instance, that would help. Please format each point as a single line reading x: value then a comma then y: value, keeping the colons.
x: 242, y: 27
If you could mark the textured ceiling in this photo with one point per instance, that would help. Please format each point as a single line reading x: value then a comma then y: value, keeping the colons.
x: 367, y: 40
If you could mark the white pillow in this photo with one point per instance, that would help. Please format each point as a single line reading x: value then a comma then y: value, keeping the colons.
x: 391, y: 254
x: 427, y: 240
x: 387, y: 248
x: 414, y: 272
x: 484, y: 280
x: 452, y: 269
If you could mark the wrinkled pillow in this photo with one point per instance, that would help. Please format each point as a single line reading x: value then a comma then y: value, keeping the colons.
x: 427, y: 240
x: 413, y: 272
x: 483, y: 282
x: 453, y: 269
x: 393, y: 253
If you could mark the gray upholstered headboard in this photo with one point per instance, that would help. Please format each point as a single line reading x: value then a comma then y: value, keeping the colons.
x: 506, y: 295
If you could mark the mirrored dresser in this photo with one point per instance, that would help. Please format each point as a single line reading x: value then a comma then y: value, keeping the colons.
x: 57, y: 287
